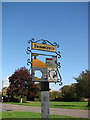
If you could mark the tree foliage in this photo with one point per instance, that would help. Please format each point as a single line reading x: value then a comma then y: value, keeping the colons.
x: 83, y: 85
x: 21, y: 84
x: 54, y: 96
x: 69, y: 93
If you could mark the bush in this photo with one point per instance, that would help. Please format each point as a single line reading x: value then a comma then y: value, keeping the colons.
x: 24, y: 99
x: 69, y: 93
x: 55, y: 96
x: 5, y: 99
x: 36, y: 99
x: 17, y: 98
x: 82, y: 99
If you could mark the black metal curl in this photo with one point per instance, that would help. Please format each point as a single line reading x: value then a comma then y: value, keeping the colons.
x: 58, y: 54
x: 60, y: 79
x: 28, y: 62
x: 31, y: 40
x: 59, y: 76
x: 28, y: 50
x: 56, y: 44
x: 44, y: 42
x: 60, y: 83
x: 58, y: 64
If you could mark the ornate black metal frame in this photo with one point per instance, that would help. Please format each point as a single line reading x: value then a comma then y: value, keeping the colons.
x: 29, y: 51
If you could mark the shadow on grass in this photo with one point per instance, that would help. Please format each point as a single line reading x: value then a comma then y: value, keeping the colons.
x: 67, y: 105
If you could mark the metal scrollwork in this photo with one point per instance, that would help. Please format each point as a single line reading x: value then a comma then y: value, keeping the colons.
x: 58, y: 64
x: 44, y: 42
x: 58, y: 54
x: 28, y: 62
x: 57, y: 45
x: 59, y: 76
x: 28, y: 50
x: 60, y: 83
x: 31, y: 40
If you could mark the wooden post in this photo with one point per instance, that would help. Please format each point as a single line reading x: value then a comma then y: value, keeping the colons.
x: 45, y: 100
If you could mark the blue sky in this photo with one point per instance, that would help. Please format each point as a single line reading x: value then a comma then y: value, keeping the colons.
x: 64, y: 23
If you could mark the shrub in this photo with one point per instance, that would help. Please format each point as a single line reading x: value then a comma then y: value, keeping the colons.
x: 55, y: 96
x: 36, y: 99
x: 82, y: 99
x: 17, y: 98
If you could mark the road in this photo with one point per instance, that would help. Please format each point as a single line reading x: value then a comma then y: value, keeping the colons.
x: 55, y: 111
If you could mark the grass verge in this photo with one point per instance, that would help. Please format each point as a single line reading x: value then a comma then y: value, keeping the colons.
x: 65, y: 105
x: 9, y: 115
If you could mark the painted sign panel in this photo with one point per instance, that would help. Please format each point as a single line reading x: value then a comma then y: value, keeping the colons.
x: 44, y: 67
x: 52, y: 74
x: 45, y: 47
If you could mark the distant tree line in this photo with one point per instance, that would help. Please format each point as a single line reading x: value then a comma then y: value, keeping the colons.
x: 77, y: 91
x: 21, y: 88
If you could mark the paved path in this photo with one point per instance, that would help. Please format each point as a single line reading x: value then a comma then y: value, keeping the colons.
x: 56, y: 111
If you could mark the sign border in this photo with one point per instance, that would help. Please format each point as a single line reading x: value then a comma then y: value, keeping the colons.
x: 44, y: 50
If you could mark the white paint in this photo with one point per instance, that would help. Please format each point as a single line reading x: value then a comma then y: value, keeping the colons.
x: 44, y: 104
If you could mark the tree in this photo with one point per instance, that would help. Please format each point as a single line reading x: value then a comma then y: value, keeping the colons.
x: 39, y: 92
x: 54, y: 95
x: 21, y: 84
x: 83, y: 85
x: 69, y: 92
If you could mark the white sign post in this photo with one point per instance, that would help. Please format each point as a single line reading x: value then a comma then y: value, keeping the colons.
x: 45, y: 100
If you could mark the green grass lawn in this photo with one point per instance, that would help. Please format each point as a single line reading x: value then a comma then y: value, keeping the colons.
x: 65, y: 105
x: 23, y: 115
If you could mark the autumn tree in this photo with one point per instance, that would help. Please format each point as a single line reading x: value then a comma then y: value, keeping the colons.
x: 21, y: 84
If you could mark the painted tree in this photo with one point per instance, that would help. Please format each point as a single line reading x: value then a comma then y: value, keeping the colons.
x: 21, y: 84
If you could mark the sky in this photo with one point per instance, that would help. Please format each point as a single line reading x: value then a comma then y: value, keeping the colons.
x: 63, y: 22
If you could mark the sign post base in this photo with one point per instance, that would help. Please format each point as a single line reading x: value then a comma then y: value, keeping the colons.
x: 45, y: 100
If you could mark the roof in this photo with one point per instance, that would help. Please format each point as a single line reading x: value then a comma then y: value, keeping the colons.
x: 38, y: 63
